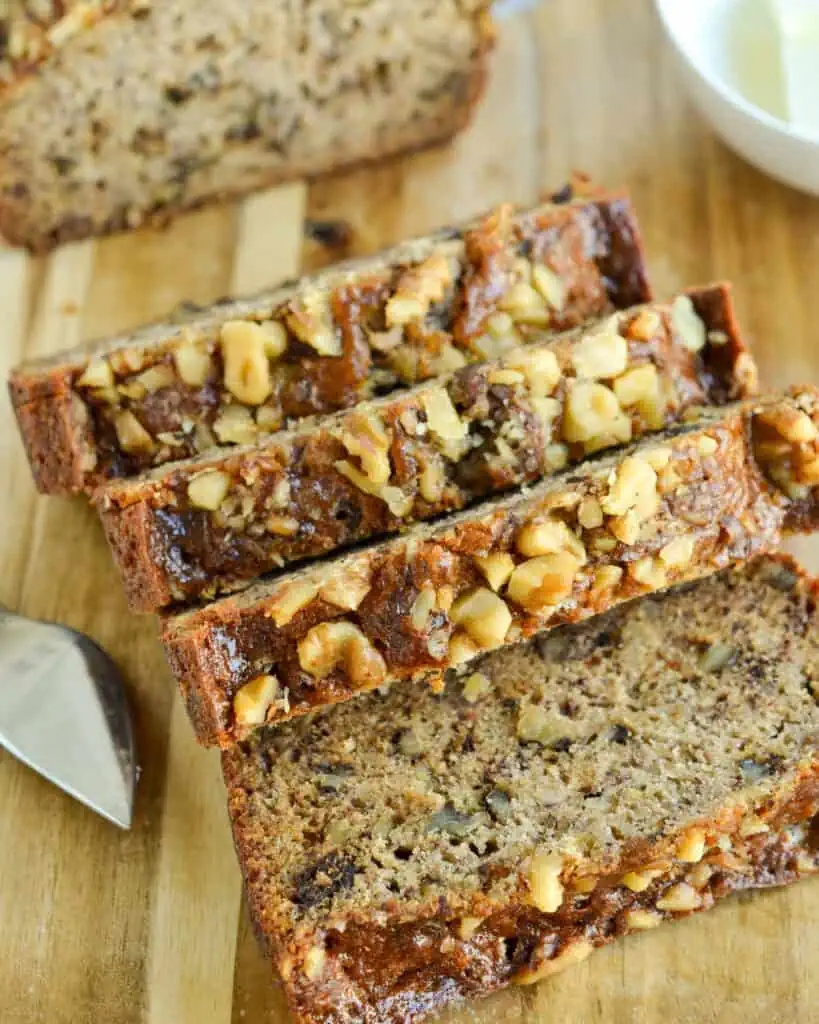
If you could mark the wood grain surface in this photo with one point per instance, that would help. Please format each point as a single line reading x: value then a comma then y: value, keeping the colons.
x: 147, y: 927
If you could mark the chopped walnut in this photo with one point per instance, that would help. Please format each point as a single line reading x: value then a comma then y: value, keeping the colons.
x: 590, y: 514
x: 550, y: 286
x: 346, y: 590
x: 603, y: 354
x: 543, y: 582
x: 687, y: 325
x: 247, y: 371
x: 642, y: 920
x: 545, y: 887
x: 576, y: 953
x: 312, y: 323
x: 235, y: 425
x: 594, y: 417
x: 548, y: 537
x: 640, y: 388
x: 475, y: 687
x: 132, y: 436
x: 431, y: 482
x: 680, y: 899
x: 282, y: 526
x: 483, y: 615
x: 692, y: 847
x: 364, y: 436
x: 290, y: 600
x: 678, y: 552
x: 650, y: 572
x: 645, y: 325
x: 209, y: 489
x: 461, y: 649
x: 443, y: 420
x: 468, y: 926
x: 395, y: 499
x: 331, y: 644
x: 97, y: 374
x: 497, y: 568
x: 526, y: 305
x: 605, y: 579
x: 422, y: 608
x: 634, y: 490
x: 418, y: 288
x: 253, y: 701
x: 314, y: 962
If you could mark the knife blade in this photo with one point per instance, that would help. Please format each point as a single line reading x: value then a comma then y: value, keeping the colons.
x: 63, y: 712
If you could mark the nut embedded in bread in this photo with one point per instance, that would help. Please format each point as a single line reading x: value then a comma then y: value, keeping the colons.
x: 673, y: 508
x: 206, y: 526
x: 118, y: 112
x: 411, y: 848
x: 324, y: 343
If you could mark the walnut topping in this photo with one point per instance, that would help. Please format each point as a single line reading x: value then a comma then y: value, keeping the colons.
x: 576, y: 953
x: 640, y: 388
x: 290, y: 600
x: 539, y: 367
x: 253, y: 701
x: 282, y: 526
x: 550, y: 286
x: 418, y: 288
x: 642, y: 920
x: 678, y: 552
x: 396, y: 501
x: 443, y: 420
x: 603, y: 354
x: 526, y: 305
x: 312, y: 323
x: 639, y: 881
x: 547, y: 538
x: 461, y: 649
x: 634, y: 490
x: 475, y: 687
x: 544, y: 582
x: 753, y: 827
x: 590, y: 514
x: 209, y: 489
x: 649, y: 572
x: 483, y: 615
x: 644, y: 325
x: 680, y: 898
x: 511, y: 378
x: 314, y: 962
x: 365, y: 437
x: 247, y: 371
x: 545, y: 887
x: 235, y: 425
x: 97, y: 374
x: 605, y: 579
x: 700, y: 875
x: 431, y: 482
x: 692, y: 847
x: 707, y: 445
x: 132, y: 436
x: 497, y: 568
x: 687, y: 324
x: 422, y: 608
x: 331, y: 644
x: 347, y: 590
x: 594, y: 417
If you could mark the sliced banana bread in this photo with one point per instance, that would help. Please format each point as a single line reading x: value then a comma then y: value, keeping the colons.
x: 325, y: 342
x: 116, y: 111
x: 599, y: 781
x: 210, y: 524
x: 673, y: 508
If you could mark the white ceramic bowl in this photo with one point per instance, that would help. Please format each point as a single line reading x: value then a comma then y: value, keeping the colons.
x: 699, y: 32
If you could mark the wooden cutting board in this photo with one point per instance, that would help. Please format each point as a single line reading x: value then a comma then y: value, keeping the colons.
x: 148, y: 927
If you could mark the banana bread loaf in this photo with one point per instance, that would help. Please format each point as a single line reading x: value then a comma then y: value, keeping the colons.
x: 116, y: 111
x: 594, y: 783
x: 326, y: 342
x: 672, y: 508
x: 205, y: 526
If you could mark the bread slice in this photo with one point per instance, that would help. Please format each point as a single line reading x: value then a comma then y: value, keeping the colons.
x: 209, y: 525
x: 673, y: 508
x: 325, y: 342
x: 413, y: 848
x: 113, y: 112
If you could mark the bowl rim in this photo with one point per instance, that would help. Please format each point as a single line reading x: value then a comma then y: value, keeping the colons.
x: 727, y: 92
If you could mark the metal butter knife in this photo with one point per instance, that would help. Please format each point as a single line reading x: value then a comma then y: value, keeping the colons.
x: 63, y: 712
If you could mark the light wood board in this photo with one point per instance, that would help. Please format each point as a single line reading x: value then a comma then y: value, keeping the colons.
x: 148, y: 927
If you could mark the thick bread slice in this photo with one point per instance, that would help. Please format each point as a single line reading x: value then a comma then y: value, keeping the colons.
x: 411, y: 849
x: 113, y: 112
x: 207, y: 526
x: 673, y: 508
x: 326, y: 342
